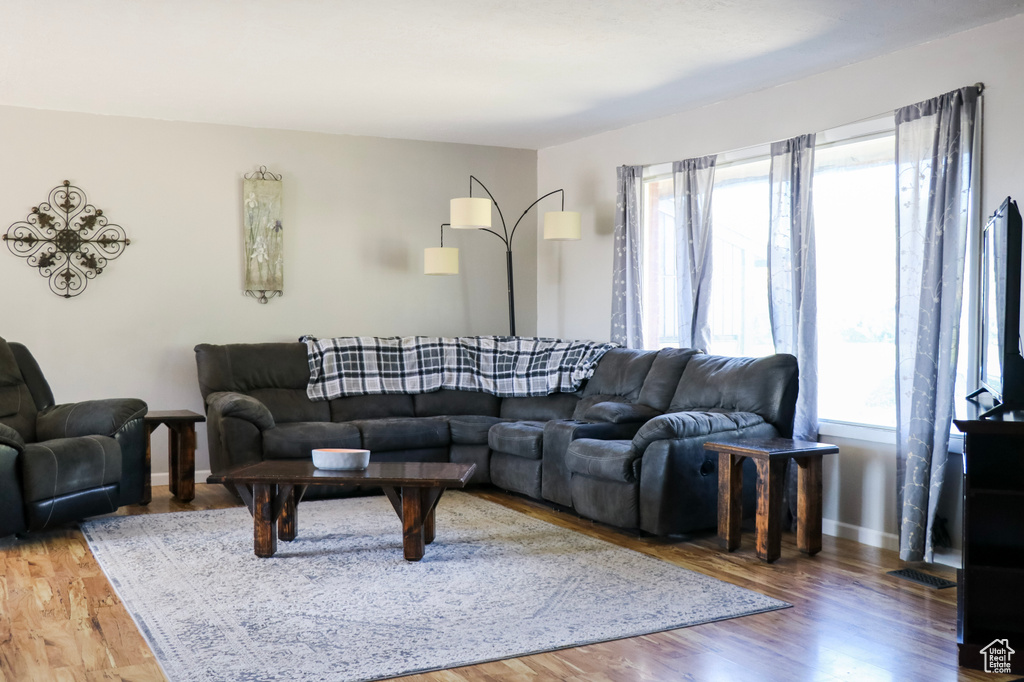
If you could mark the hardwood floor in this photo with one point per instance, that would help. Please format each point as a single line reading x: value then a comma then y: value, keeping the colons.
x: 60, y: 619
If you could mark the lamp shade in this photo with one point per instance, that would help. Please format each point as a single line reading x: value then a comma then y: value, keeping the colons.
x: 562, y: 225
x: 440, y: 260
x: 470, y: 213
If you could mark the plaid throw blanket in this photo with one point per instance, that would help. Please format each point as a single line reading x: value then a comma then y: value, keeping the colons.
x: 505, y: 366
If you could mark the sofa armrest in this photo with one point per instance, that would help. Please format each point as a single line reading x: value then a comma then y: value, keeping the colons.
x: 11, y: 438
x: 598, y: 430
x: 620, y: 413
x: 695, y: 424
x: 88, y: 418
x: 241, y: 406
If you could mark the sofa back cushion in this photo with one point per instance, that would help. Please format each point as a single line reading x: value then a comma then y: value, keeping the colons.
x: 299, y: 439
x: 663, y: 378
x: 383, y: 406
x: 291, y: 405
x: 17, y: 408
x: 245, y: 367
x: 587, y: 402
x: 33, y: 375
x: 543, y: 408
x: 445, y: 402
x: 620, y: 372
x: 765, y: 386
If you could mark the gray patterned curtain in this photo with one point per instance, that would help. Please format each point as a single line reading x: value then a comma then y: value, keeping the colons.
x: 627, y: 327
x: 692, y: 181
x: 792, y: 283
x: 935, y: 147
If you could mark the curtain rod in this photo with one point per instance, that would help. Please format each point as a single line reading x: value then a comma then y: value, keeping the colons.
x: 979, y: 85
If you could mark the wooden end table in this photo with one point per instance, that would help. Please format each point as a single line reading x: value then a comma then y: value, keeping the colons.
x: 272, y: 490
x: 181, y: 452
x: 770, y: 455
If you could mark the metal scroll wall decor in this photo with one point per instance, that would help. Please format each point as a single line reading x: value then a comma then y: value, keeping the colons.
x: 264, y: 235
x: 68, y: 239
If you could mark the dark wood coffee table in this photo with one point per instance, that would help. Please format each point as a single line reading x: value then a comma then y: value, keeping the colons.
x: 272, y: 489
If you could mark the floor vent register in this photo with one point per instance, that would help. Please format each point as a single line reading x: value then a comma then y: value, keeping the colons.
x: 923, y: 578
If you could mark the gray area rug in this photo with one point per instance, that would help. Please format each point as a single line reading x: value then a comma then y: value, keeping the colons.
x: 340, y: 602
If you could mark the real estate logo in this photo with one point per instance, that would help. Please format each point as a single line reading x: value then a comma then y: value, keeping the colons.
x: 997, y: 656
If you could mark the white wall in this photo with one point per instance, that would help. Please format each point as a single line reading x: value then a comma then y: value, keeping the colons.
x: 357, y: 213
x: 574, y: 282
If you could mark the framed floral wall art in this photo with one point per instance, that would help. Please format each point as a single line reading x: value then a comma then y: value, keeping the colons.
x: 264, y: 235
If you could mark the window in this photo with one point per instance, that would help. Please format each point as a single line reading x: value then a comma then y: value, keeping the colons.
x: 658, y: 257
x: 739, y: 273
x: 855, y: 231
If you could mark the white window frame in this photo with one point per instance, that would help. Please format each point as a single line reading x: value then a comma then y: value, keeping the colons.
x: 862, y: 130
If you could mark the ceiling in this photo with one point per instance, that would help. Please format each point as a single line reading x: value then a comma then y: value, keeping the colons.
x: 514, y: 73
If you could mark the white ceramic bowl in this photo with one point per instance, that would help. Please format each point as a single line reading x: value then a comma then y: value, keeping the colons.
x: 341, y: 459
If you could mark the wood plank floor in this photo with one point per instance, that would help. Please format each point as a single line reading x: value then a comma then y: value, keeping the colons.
x: 60, y: 619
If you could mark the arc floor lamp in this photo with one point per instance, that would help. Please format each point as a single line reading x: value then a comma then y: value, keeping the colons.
x: 474, y: 213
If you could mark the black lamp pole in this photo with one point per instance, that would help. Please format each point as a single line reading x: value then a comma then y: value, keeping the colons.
x: 506, y: 237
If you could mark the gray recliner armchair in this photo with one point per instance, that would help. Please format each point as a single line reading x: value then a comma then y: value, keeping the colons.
x: 61, y: 463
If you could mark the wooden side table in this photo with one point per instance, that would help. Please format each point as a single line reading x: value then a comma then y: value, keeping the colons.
x: 770, y: 456
x: 181, y: 452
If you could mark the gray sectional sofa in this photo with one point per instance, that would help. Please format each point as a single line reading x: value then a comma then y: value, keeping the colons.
x: 626, y: 450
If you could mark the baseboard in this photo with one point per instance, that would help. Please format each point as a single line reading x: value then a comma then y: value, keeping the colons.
x: 877, y: 538
x: 163, y: 478
x: 865, y: 536
x: 948, y: 557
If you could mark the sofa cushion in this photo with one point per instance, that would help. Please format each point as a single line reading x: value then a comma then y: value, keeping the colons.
x: 663, y: 379
x: 611, y: 460
x: 10, y: 373
x: 381, y: 406
x: 17, y: 409
x: 69, y: 465
x: 621, y: 371
x: 620, y: 413
x: 586, y: 402
x: 766, y: 386
x: 292, y: 405
x: 446, y: 402
x: 33, y: 375
x: 88, y: 418
x: 522, y: 439
x: 297, y: 440
x: 412, y: 433
x: 471, y: 429
x: 542, y: 408
x: 243, y: 367
x: 692, y: 425
x: 11, y: 438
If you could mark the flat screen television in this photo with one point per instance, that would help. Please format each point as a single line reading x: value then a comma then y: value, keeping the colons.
x: 1001, y: 369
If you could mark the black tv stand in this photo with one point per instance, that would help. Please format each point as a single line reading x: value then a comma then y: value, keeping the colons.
x: 989, y: 598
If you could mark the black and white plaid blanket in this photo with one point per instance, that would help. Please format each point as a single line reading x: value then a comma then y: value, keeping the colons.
x: 505, y: 366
